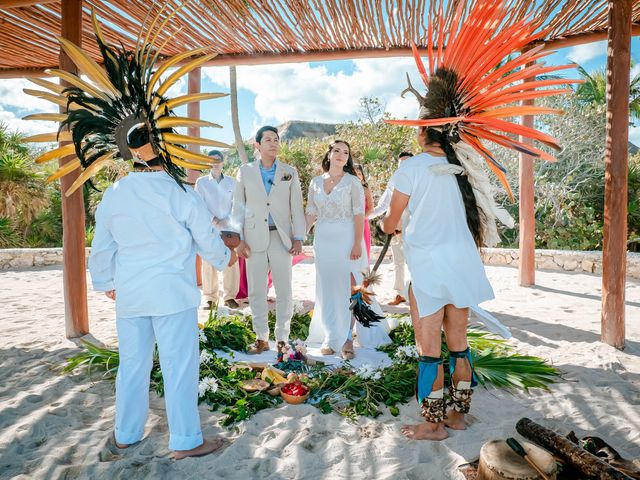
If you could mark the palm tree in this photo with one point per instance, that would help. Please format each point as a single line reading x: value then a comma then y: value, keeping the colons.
x: 594, y: 90
x: 23, y: 193
x: 234, y: 114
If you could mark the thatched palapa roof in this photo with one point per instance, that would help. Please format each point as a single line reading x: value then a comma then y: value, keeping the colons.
x: 268, y: 31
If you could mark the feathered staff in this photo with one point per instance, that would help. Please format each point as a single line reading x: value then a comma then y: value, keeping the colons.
x: 470, y: 92
x: 126, y: 91
x: 361, y: 295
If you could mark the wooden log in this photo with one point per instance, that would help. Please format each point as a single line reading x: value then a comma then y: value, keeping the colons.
x: 616, y: 164
x: 73, y: 234
x: 499, y: 462
x: 568, y: 452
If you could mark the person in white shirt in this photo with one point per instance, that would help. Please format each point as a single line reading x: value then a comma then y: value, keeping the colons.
x: 148, y: 230
x: 216, y: 190
x: 396, y: 242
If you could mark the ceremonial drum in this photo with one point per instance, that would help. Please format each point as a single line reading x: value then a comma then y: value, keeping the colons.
x: 499, y: 462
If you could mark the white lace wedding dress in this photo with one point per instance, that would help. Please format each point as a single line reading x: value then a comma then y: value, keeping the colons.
x: 333, y: 241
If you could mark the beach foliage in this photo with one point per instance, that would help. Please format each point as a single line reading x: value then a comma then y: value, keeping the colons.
x: 344, y: 389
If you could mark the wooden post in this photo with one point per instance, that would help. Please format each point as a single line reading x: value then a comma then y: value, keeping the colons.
x: 73, y: 234
x: 614, y: 254
x: 527, y: 241
x: 193, y: 111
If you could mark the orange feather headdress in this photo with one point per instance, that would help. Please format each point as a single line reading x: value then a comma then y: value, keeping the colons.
x: 471, y: 93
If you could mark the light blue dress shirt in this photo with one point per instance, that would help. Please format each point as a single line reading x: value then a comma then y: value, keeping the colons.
x: 148, y: 230
x: 268, y: 178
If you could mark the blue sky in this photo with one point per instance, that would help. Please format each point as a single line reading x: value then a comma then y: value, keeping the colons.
x: 318, y: 91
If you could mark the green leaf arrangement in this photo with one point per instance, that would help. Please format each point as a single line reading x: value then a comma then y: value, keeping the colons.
x: 344, y: 390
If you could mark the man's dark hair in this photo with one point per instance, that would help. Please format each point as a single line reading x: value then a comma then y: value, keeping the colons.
x: 266, y: 128
x: 215, y: 153
x: 139, y: 137
x: 405, y: 154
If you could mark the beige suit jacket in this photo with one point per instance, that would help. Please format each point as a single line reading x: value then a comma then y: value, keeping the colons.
x: 252, y: 206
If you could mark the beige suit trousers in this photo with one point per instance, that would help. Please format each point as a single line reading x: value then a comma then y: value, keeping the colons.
x: 277, y: 259
x: 230, y: 282
x: 398, y: 264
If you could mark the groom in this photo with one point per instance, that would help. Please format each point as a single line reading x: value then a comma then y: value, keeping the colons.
x: 268, y: 210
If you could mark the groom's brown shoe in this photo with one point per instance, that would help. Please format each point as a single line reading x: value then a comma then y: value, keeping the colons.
x: 258, y: 347
x: 397, y: 301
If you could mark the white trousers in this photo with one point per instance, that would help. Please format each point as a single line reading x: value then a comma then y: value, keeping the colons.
x: 277, y: 259
x: 177, y: 337
x: 398, y: 264
x: 230, y: 282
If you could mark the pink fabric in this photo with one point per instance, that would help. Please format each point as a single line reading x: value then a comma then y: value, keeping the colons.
x: 367, y: 232
x: 243, y: 292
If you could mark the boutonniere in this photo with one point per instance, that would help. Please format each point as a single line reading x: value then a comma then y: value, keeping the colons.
x: 286, y: 177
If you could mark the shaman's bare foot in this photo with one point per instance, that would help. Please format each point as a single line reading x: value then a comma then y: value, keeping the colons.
x: 209, y: 445
x: 455, y: 420
x: 425, y: 431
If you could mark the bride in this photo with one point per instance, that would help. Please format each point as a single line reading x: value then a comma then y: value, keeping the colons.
x: 336, y: 206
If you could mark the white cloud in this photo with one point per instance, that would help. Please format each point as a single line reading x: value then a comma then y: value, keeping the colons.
x: 583, y: 53
x: 299, y: 91
x: 11, y: 95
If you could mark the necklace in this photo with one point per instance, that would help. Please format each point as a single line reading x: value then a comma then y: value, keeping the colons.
x: 335, y: 179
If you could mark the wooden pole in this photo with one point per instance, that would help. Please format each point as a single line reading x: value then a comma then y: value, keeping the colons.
x: 73, y: 234
x: 235, y: 120
x: 193, y: 111
x: 527, y: 234
x: 614, y: 254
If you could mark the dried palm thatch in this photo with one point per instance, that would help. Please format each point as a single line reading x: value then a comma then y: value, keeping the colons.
x: 272, y: 30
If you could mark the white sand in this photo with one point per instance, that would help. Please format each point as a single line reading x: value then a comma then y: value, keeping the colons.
x: 54, y: 426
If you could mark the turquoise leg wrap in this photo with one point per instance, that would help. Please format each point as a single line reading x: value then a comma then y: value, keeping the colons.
x: 427, y: 373
x: 452, y: 365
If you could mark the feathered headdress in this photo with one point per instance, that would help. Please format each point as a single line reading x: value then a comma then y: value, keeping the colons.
x: 471, y: 92
x: 125, y: 92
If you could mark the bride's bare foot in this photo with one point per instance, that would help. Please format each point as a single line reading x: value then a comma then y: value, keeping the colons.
x: 209, y: 445
x: 425, y: 431
x: 455, y: 420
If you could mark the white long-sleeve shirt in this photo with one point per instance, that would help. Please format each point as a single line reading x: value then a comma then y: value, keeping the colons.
x: 148, y: 230
x: 217, y: 195
x: 383, y: 203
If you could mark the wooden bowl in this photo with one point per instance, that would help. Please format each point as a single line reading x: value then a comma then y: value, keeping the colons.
x: 255, y: 385
x: 294, y: 399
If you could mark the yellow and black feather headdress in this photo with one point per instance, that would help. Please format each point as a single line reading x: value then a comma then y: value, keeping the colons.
x: 127, y: 90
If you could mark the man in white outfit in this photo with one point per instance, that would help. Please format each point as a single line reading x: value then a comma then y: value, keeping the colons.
x: 396, y: 242
x: 148, y: 229
x: 268, y: 209
x: 216, y: 190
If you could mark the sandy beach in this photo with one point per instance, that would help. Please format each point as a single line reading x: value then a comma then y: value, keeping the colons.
x: 58, y: 426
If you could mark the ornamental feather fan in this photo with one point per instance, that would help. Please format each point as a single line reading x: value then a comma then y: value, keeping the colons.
x: 125, y: 91
x: 471, y: 93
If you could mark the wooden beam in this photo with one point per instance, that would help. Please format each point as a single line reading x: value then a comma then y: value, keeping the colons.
x: 73, y: 235
x: 527, y: 220
x: 319, y: 56
x: 614, y: 253
x: 7, y: 4
x: 193, y: 111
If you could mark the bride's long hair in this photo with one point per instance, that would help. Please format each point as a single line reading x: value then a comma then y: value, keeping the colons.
x: 348, y: 168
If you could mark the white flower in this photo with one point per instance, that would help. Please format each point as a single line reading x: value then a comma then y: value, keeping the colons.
x: 298, y: 306
x: 223, y: 312
x: 367, y: 372
x: 203, y: 337
x: 205, y: 357
x: 406, y: 351
x: 207, y: 384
